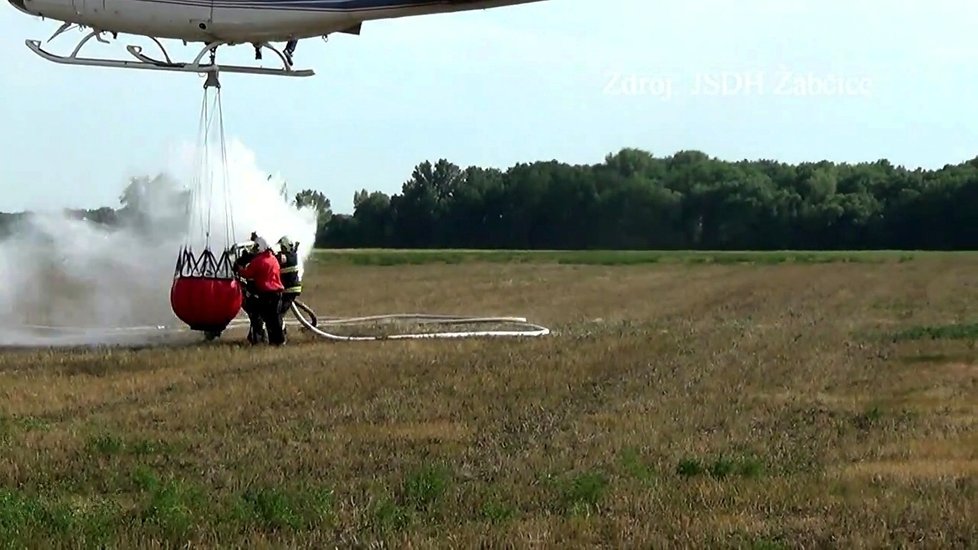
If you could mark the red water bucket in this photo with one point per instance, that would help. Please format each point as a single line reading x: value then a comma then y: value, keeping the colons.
x: 206, y: 304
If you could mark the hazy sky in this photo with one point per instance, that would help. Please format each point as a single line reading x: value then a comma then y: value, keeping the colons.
x: 509, y: 85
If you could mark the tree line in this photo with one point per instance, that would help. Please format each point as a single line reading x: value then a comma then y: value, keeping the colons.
x: 635, y: 200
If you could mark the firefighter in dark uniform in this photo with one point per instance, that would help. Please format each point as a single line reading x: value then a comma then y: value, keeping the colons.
x: 288, y: 258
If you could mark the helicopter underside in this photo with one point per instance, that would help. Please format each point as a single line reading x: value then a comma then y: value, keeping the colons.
x: 239, y: 21
x: 217, y: 23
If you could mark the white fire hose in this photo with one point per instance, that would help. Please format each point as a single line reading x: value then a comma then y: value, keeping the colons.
x: 533, y: 330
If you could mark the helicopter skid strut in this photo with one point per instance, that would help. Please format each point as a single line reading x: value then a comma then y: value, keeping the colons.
x: 143, y: 61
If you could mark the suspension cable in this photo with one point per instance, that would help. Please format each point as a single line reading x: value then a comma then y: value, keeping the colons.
x: 203, y: 180
x: 199, y: 161
x: 229, y: 231
x: 207, y: 167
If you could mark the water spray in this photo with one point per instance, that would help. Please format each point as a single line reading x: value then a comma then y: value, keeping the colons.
x: 79, y: 284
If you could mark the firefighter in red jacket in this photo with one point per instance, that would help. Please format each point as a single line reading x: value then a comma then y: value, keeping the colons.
x: 265, y: 273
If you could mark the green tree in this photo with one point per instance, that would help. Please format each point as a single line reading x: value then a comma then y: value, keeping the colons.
x: 631, y: 199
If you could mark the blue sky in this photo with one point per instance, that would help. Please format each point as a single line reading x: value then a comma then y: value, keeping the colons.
x: 515, y: 84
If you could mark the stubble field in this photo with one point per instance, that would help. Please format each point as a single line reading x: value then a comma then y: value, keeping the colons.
x: 683, y: 400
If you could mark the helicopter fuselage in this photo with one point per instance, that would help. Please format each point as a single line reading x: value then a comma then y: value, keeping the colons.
x: 239, y: 21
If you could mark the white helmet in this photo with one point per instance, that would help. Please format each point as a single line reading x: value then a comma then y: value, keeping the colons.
x: 261, y: 245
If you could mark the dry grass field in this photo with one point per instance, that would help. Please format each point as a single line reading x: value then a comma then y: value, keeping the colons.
x: 677, y: 404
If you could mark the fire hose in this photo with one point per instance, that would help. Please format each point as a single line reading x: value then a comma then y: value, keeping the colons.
x: 312, y: 324
x: 306, y: 317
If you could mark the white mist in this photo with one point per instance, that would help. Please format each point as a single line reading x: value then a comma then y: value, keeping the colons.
x: 72, y: 282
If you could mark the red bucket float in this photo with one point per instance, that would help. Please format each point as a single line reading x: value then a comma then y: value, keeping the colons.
x: 205, y: 294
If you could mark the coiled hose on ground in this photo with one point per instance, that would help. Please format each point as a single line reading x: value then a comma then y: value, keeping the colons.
x: 313, y: 323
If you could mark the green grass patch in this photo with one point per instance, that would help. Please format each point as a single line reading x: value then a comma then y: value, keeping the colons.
x: 581, y: 493
x: 275, y: 509
x: 389, y: 516
x: 104, y: 444
x: 689, y: 467
x: 495, y: 510
x: 635, y: 467
x: 766, y: 543
x: 392, y: 257
x: 172, y: 509
x: 419, y: 496
x: 968, y: 331
x: 11, y: 425
x: 721, y: 467
x: 868, y: 418
x: 108, y: 444
x: 29, y: 521
x: 166, y: 509
x: 423, y: 489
